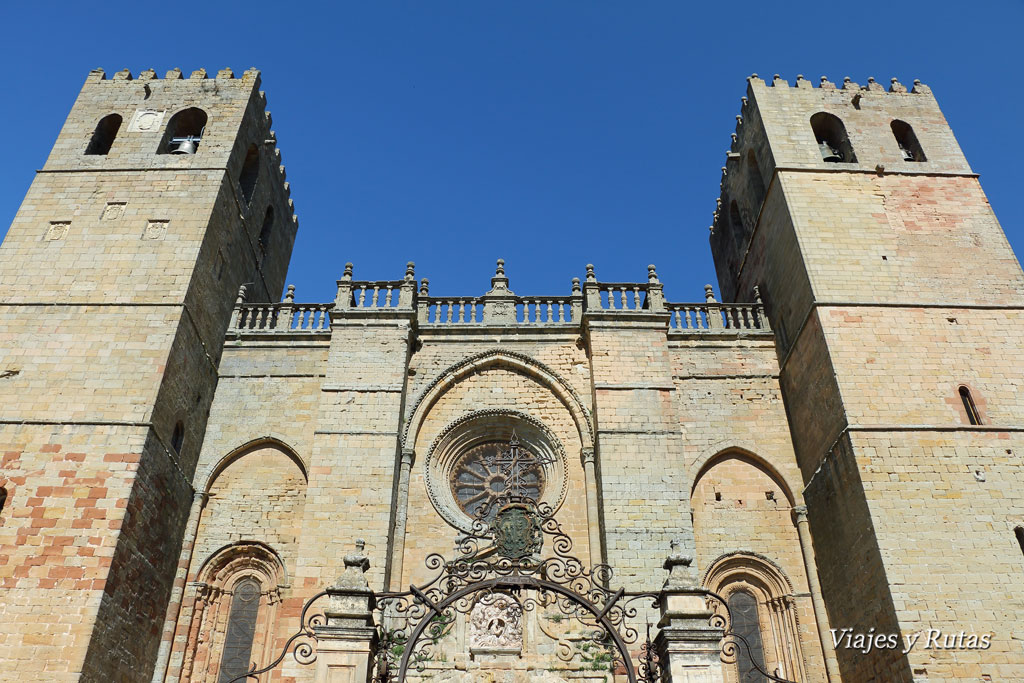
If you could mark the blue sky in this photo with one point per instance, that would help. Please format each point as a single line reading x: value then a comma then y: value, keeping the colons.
x: 551, y: 134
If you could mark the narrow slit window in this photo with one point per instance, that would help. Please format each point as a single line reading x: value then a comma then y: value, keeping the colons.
x: 907, y: 141
x: 745, y: 622
x: 969, y: 407
x: 178, y: 437
x: 241, y: 630
x: 833, y: 142
x: 266, y: 230
x: 1019, y: 533
x: 755, y: 184
x: 103, y: 136
x: 3, y: 498
x: 250, y: 173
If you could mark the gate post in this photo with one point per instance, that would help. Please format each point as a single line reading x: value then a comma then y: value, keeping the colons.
x: 346, y: 642
x: 688, y: 646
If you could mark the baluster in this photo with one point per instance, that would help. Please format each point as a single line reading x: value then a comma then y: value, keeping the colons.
x: 624, y: 303
x: 387, y: 299
x: 462, y: 307
x: 450, y: 304
x: 636, y: 298
x: 362, y: 297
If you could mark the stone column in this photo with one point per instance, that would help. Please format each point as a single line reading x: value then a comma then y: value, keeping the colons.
x: 593, y: 506
x: 688, y: 646
x: 820, y: 616
x: 346, y: 642
x: 394, y: 578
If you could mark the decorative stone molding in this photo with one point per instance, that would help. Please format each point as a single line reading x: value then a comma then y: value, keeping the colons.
x: 516, y: 362
x: 496, y: 625
x: 486, y: 426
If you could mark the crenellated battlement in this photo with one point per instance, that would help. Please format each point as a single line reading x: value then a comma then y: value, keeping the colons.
x: 832, y: 126
x: 175, y: 74
x: 872, y: 85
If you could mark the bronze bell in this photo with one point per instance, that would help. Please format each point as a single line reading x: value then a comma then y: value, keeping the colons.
x: 828, y: 153
x: 184, y: 146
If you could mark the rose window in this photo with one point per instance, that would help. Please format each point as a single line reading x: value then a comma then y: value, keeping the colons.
x: 489, y: 470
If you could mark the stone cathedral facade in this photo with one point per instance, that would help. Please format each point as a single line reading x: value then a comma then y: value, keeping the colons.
x: 831, y: 444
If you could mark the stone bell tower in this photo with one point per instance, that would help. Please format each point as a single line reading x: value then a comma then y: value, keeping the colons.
x: 897, y: 307
x: 161, y: 197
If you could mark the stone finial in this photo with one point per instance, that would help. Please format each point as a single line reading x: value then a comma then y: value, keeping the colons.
x: 198, y: 73
x: 147, y: 75
x: 779, y: 82
x: 576, y: 285
x: 174, y: 74
x: 826, y: 84
x: 743, y: 103
x: 347, y: 275
x: 226, y: 73
x: 920, y: 87
x: 424, y: 287
x: 896, y: 86
x: 123, y: 75
x: 652, y: 275
x: 850, y: 85
x: 802, y: 82
x: 757, y: 295
x: 240, y: 299
x: 873, y: 86
x: 590, y: 273
x: 739, y: 120
x: 410, y: 270
x: 289, y: 296
x: 709, y: 294
x: 499, y: 283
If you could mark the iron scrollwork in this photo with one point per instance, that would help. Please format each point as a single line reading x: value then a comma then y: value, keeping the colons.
x: 502, y: 556
x: 301, y: 643
x: 732, y: 641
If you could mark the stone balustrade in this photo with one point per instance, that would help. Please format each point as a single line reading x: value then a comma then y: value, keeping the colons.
x: 500, y: 307
x: 286, y: 317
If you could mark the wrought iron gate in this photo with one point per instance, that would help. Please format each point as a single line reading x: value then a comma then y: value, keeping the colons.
x: 516, y: 549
